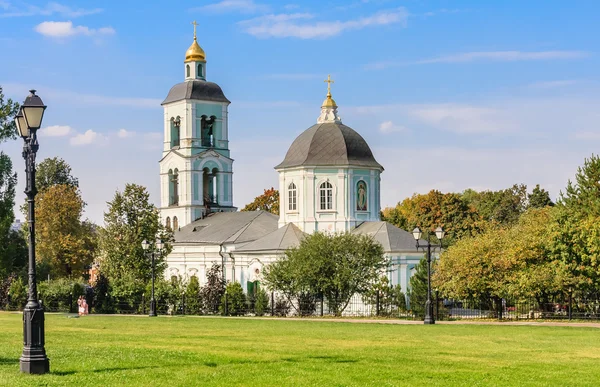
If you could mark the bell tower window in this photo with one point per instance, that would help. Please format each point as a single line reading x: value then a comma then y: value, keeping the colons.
x: 207, y: 138
x: 175, y: 131
x: 187, y: 71
x: 174, y: 187
x: 200, y: 71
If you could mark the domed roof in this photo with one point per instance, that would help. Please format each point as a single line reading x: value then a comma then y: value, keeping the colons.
x: 329, y: 143
x: 196, y: 89
x: 195, y: 53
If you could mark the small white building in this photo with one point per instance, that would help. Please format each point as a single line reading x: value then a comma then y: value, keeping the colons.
x: 329, y: 181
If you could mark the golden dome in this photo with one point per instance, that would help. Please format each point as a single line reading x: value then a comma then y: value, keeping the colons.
x: 195, y: 53
x: 329, y: 102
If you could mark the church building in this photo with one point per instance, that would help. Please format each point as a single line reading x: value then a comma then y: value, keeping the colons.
x: 329, y: 181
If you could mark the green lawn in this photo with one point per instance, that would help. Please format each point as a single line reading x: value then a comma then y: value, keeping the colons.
x: 189, y: 351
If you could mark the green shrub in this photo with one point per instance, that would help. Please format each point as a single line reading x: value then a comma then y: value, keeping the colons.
x: 261, y: 302
x: 61, y: 294
x: 17, y: 294
x: 233, y: 302
x: 192, y: 296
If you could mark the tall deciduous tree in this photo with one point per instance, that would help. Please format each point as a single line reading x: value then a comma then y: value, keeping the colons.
x: 501, y: 207
x: 129, y: 220
x: 11, y: 242
x: 54, y: 171
x: 335, y: 266
x: 268, y: 201
x: 65, y: 243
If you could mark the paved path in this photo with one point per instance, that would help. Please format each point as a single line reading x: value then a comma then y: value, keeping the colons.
x: 376, y: 321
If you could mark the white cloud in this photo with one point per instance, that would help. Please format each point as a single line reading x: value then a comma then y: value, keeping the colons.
x: 52, y: 8
x: 123, y: 133
x: 88, y: 138
x: 55, y: 131
x: 244, y: 6
x: 67, y: 29
x: 297, y: 25
x: 389, y: 127
x: 489, y: 56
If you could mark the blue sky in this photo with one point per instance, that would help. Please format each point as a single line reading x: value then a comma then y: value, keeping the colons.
x: 449, y: 94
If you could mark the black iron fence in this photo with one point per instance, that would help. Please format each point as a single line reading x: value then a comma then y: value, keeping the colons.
x: 564, y: 308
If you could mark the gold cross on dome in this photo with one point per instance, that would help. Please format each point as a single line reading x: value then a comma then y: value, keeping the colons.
x: 329, y: 81
x: 195, y: 24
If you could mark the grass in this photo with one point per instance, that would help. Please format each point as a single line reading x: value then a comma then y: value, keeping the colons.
x: 188, y: 351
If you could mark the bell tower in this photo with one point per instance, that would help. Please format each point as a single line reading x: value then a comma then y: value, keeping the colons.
x: 196, y: 168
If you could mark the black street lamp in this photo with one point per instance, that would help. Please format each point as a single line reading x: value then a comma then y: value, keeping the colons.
x: 34, y: 359
x: 157, y: 247
x: 439, y: 233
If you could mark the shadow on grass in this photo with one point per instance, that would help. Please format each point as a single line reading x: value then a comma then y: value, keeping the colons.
x: 8, y: 361
x: 100, y: 370
x: 333, y: 359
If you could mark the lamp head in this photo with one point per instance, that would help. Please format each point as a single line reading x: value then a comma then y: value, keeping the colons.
x: 33, y: 110
x: 145, y: 245
x: 439, y: 233
x: 21, y: 124
x: 417, y: 233
x: 159, y: 244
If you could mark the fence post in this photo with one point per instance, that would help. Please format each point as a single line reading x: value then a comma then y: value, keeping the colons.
x: 377, y: 303
x: 143, y: 303
x: 183, y: 304
x: 321, y: 304
x: 570, y: 306
x: 437, y: 305
x: 272, y: 303
x: 70, y: 303
x: 226, y: 305
x: 500, y: 310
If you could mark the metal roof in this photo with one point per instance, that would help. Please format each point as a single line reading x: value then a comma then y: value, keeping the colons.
x: 331, y: 143
x: 282, y: 239
x: 196, y: 89
x: 391, y: 237
x: 228, y: 227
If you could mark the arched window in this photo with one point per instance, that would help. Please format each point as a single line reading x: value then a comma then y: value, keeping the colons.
x: 326, y: 196
x: 174, y: 187
x: 292, y: 197
x: 187, y: 71
x: 361, y: 196
x: 175, y: 224
x: 175, y: 131
x: 200, y: 71
x: 168, y: 223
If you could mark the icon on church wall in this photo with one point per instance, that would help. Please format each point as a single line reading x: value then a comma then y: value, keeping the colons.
x: 361, y: 196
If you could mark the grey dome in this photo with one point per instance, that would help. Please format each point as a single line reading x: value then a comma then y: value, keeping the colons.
x: 196, y: 89
x: 330, y: 143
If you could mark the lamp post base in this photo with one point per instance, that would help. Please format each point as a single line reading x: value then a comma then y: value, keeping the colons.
x: 428, y: 320
x: 152, y: 308
x: 34, y: 359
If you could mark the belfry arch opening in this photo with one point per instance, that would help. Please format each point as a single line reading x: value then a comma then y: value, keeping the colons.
x: 209, y: 180
x: 207, y: 132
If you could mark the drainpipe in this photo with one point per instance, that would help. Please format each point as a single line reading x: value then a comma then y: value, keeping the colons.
x: 222, y: 261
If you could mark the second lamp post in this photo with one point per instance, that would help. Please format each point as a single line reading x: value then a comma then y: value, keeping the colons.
x: 155, y: 249
x: 439, y: 233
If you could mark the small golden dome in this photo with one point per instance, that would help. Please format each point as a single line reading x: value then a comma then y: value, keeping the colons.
x: 195, y: 53
x: 329, y: 102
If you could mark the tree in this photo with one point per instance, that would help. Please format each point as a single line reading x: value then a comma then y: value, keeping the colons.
x: 54, y: 171
x: 501, y: 207
x: 435, y: 209
x: 576, y: 238
x: 129, y: 220
x: 233, y: 302
x: 268, y: 201
x: 539, y: 198
x: 192, y: 296
x: 334, y: 266
x: 417, y: 290
x: 8, y: 111
x: 65, y: 244
x: 11, y: 252
x: 507, y: 262
x: 213, y: 290
x: 261, y: 303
